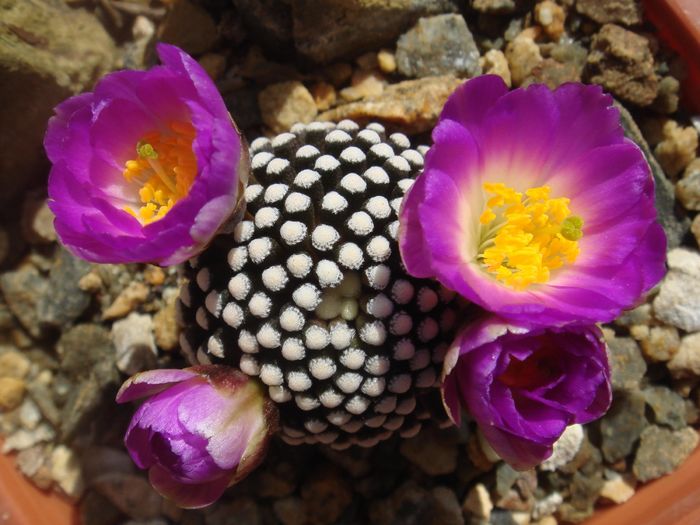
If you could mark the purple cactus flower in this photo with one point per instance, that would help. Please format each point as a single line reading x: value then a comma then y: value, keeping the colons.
x: 524, y: 385
x: 201, y: 430
x: 534, y: 205
x: 147, y: 167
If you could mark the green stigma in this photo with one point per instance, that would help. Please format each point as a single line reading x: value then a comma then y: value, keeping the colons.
x: 571, y: 228
x: 146, y: 151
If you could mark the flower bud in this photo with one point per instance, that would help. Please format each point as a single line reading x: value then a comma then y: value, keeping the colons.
x: 199, y: 431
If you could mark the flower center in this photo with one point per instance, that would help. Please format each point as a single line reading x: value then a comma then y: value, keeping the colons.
x: 539, y: 369
x: 163, y: 171
x: 525, y: 237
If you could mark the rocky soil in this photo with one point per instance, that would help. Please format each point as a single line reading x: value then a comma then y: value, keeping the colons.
x: 71, y: 332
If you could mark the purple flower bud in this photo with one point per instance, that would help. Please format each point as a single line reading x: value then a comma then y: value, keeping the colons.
x: 201, y: 430
x: 524, y: 385
x: 147, y: 167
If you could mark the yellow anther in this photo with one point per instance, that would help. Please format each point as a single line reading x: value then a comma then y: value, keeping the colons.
x: 532, y: 235
x: 164, y: 170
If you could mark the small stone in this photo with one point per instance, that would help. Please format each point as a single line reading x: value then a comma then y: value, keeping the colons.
x: 666, y: 101
x: 90, y: 282
x: 367, y: 61
x: 285, y: 104
x: 327, y: 31
x: 134, y: 343
x: 661, y: 343
x: 667, y: 406
x: 22, y: 290
x: 31, y: 459
x: 130, y: 493
x: 547, y: 506
x: 23, y: 439
x: 552, y: 73
x: 11, y: 393
x: 626, y: 363
x: 131, y: 297
x: 677, y: 148
x: 154, y: 275
x: 627, y: 12
x: 622, y: 425
x: 95, y: 509
x: 661, y: 451
x: 214, y: 64
x: 446, y: 509
x: 290, y: 511
x: 565, y: 448
x: 695, y: 228
x: 641, y: 315
x: 165, y: 327
x: 364, y: 85
x: 678, y: 301
x: 326, y: 495
x: 188, y: 26
x: 14, y: 364
x: 82, y: 348
x: 438, y: 45
x: 686, y: 362
x: 37, y: 221
x: 433, y: 451
x: 494, y: 62
x: 547, y: 520
x: 411, y: 105
x: 324, y: 95
x: 551, y: 17
x: 523, y: 55
x: 386, y: 61
x: 478, y: 502
x: 241, y: 511
x: 29, y: 414
x: 618, y: 489
x: 66, y: 472
x: 622, y: 62
x: 268, y: 22
x: 64, y: 301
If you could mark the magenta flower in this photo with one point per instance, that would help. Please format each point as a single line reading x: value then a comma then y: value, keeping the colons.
x: 200, y: 430
x: 146, y: 167
x: 524, y: 385
x: 534, y: 205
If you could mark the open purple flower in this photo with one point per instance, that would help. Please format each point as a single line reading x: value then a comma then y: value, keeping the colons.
x: 524, y: 385
x: 146, y: 167
x: 200, y: 430
x: 534, y: 205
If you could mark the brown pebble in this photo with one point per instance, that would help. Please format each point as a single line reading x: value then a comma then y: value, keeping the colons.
x: 11, y: 393
x: 387, y: 61
x: 154, y: 275
x: 132, y: 296
x: 324, y: 95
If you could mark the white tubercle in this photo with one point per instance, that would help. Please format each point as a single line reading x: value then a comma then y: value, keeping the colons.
x: 351, y: 256
x: 239, y: 286
x: 299, y: 264
x: 275, y: 193
x: 275, y: 278
x: 293, y: 232
x: 232, y: 315
x: 291, y: 319
x: 324, y: 237
x: 293, y: 349
x: 259, y: 249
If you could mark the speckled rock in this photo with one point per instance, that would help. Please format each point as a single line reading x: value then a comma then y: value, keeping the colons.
x: 285, y: 104
x: 64, y: 301
x: 622, y: 425
x: 22, y: 289
x: 677, y: 148
x: 131, y: 494
x: 412, y: 106
x: 626, y: 363
x: 327, y: 31
x: 551, y: 17
x: 134, y: 343
x: 667, y: 406
x: 662, y: 450
x: 438, y: 45
x: 565, y: 448
x: 478, y: 502
x: 661, y: 343
x: 686, y: 362
x: 678, y: 301
x: 667, y: 100
x: 627, y: 12
x: 494, y: 62
x: 623, y: 64
x: 523, y: 56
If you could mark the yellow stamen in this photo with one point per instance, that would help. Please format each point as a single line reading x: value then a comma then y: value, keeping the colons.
x: 525, y: 237
x: 162, y: 172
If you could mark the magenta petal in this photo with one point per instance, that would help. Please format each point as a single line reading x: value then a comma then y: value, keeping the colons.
x: 187, y: 495
x: 569, y: 140
x: 151, y: 382
x: 520, y: 453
